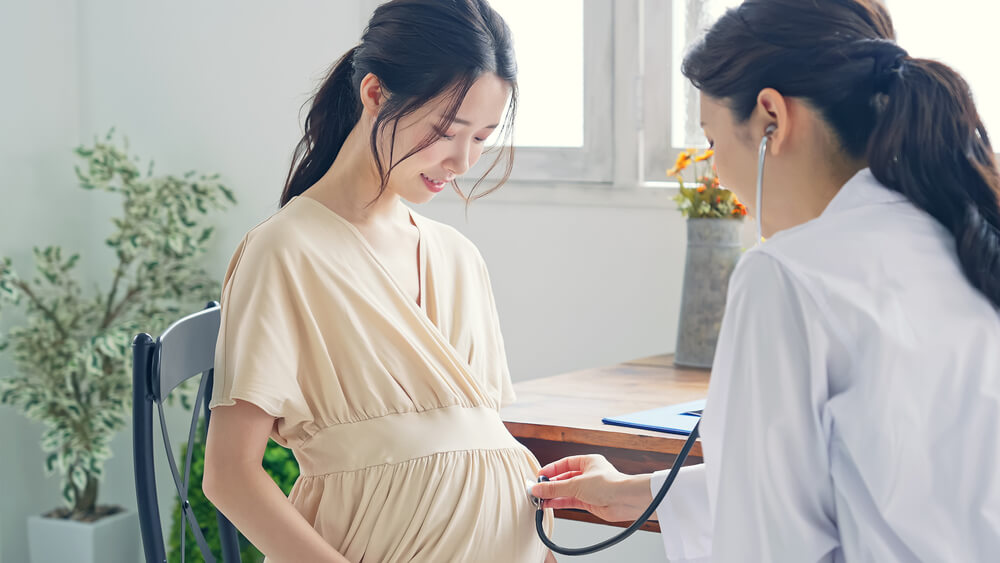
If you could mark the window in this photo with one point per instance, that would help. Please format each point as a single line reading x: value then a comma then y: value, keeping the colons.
x: 691, y: 20
x: 671, y: 115
x: 550, y: 70
x: 563, y: 130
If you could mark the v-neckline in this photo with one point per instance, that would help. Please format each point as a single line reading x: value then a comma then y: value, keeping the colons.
x: 421, y: 263
x: 419, y: 311
x: 421, y: 304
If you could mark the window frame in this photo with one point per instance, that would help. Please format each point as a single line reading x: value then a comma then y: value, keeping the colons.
x: 594, y: 161
x: 660, y: 90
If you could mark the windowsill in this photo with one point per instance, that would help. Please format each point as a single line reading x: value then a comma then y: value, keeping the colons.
x: 649, y: 195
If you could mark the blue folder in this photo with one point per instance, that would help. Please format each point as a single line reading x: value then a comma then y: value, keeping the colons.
x: 674, y: 419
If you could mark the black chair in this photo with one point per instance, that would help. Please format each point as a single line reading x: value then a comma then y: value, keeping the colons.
x: 185, y: 350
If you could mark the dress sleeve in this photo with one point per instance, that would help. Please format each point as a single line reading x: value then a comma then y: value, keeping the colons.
x: 263, y: 328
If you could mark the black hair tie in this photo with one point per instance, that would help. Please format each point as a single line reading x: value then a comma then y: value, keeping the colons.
x: 889, y: 60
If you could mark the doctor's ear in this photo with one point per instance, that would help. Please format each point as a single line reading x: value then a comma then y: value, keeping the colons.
x: 772, y: 115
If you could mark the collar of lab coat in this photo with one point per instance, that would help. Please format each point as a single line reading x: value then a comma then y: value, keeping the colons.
x: 861, y: 190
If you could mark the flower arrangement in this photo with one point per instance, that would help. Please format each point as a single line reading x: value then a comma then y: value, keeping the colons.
x: 707, y: 200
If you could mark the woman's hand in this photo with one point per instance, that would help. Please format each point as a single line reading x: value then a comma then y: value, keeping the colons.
x: 591, y: 483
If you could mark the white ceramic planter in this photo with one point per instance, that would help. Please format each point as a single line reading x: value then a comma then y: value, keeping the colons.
x: 113, y: 539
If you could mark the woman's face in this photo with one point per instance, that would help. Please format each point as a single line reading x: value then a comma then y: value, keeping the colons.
x: 805, y: 164
x: 420, y: 177
x: 735, y: 151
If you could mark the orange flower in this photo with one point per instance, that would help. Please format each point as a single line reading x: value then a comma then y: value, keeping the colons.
x: 718, y: 199
x: 683, y: 160
x: 704, y: 156
x: 715, y: 182
x: 701, y: 189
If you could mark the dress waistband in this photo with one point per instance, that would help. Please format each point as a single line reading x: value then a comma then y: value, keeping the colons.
x: 401, y: 437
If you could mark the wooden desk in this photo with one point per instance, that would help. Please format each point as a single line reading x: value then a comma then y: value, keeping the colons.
x: 559, y: 416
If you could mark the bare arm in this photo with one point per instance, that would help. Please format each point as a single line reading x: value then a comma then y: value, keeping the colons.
x: 237, y: 484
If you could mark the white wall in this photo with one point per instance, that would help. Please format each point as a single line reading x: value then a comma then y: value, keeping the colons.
x: 39, y: 113
x: 218, y: 87
x: 576, y: 286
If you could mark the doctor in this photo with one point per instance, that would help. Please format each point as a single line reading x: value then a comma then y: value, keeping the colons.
x: 854, y: 406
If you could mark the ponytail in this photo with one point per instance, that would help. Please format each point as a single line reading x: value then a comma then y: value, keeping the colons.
x: 335, y: 110
x: 929, y: 143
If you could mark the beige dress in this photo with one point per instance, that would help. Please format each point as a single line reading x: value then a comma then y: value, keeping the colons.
x: 391, y: 408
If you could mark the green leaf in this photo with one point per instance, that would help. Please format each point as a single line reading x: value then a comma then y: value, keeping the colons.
x: 67, y: 493
x: 228, y: 193
x: 50, y: 463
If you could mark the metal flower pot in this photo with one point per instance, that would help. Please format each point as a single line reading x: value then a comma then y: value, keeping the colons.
x: 713, y: 249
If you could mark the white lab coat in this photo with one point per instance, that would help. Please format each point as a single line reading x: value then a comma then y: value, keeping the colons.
x: 853, y: 412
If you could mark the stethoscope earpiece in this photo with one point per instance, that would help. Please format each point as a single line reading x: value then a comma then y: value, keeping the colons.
x: 758, y: 208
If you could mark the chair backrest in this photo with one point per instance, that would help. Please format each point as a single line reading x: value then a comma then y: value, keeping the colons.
x: 185, y: 350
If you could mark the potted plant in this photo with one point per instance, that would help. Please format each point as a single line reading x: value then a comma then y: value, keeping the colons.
x: 714, y: 220
x: 71, y: 353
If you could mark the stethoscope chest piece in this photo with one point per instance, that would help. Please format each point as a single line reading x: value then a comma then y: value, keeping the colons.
x: 535, y: 501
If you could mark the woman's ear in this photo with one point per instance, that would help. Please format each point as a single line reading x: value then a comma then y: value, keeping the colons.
x: 771, y: 118
x: 372, y: 94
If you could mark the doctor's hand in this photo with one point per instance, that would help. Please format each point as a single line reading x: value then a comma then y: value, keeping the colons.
x: 591, y: 483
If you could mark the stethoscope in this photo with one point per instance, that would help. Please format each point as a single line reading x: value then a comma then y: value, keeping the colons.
x: 674, y: 470
x: 760, y: 179
x: 682, y: 456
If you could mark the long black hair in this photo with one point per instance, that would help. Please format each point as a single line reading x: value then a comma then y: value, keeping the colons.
x: 419, y: 50
x: 913, y: 120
